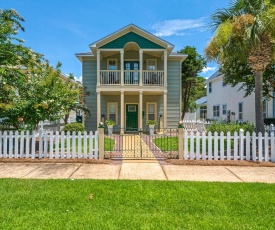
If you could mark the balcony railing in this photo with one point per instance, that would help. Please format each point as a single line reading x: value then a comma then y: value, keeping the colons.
x: 110, y: 77
x: 131, y: 77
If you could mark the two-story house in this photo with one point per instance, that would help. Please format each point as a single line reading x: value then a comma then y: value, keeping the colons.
x: 133, y: 76
x: 224, y: 102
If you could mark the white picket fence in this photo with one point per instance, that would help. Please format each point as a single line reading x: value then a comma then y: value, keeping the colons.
x: 48, y: 145
x: 195, y: 125
x: 202, y: 146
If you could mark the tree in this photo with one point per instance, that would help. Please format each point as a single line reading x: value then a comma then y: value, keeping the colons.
x: 193, y: 86
x: 244, y: 34
x: 29, y: 87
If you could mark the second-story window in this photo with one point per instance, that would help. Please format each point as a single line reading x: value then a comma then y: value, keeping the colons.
x: 112, y: 64
x: 151, y: 64
x: 210, y: 87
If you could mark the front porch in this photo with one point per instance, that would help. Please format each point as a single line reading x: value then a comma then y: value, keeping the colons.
x: 131, y: 109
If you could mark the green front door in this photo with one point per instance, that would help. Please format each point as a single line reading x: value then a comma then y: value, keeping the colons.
x: 131, y: 117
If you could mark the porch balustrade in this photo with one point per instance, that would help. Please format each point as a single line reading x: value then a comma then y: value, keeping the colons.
x: 131, y: 77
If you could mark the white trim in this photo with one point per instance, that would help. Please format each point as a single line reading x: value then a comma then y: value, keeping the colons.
x: 147, y: 106
x: 108, y: 111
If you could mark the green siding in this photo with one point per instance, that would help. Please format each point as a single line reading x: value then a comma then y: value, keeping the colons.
x: 120, y: 42
x: 173, y: 94
x: 89, y: 81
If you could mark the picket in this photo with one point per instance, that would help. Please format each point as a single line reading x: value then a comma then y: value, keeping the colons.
x: 203, y: 146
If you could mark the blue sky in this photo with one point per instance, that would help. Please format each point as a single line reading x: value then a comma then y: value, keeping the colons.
x: 60, y: 28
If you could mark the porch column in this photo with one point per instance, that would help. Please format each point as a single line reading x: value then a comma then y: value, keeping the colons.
x: 121, y: 67
x: 140, y: 109
x: 165, y: 109
x: 98, y: 107
x: 98, y: 67
x: 122, y: 120
x: 165, y: 68
x: 140, y: 66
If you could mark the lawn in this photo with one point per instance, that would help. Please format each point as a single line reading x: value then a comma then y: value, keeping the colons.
x: 65, y: 204
x: 108, y: 144
x: 171, y: 143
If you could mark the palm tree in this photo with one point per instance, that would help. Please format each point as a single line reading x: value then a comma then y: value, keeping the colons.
x: 245, y: 32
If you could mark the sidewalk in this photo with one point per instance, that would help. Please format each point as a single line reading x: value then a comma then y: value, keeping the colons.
x: 137, y: 170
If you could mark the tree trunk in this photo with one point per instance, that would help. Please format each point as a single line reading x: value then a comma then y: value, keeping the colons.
x: 259, y: 102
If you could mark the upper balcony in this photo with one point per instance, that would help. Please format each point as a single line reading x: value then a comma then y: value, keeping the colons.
x: 132, y: 77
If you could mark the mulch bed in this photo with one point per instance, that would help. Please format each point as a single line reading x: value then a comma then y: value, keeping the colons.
x: 28, y: 160
x: 221, y: 163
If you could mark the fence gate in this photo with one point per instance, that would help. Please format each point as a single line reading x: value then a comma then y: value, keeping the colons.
x: 161, y: 144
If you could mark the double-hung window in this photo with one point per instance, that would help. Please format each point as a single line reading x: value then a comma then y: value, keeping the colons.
x: 151, y: 111
x: 240, y: 117
x: 224, y: 109
x: 216, y: 110
x: 112, y: 108
x: 210, y: 87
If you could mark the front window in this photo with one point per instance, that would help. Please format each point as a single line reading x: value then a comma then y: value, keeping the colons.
x: 151, y: 111
x: 224, y: 109
x: 210, y: 87
x: 216, y: 110
x: 112, y: 64
x: 151, y: 64
x: 203, y: 112
x: 264, y: 108
x: 240, y: 111
x: 112, y: 111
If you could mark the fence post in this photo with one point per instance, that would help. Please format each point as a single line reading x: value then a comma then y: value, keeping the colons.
x: 101, y: 141
x: 180, y: 141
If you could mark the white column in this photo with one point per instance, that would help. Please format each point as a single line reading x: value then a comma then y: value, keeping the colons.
x: 122, y: 67
x: 98, y: 67
x: 98, y: 107
x: 165, y: 68
x: 140, y: 66
x: 165, y: 109
x: 140, y: 109
x: 122, y: 120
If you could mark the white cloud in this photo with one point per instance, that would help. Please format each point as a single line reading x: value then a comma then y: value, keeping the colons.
x: 208, y: 69
x: 178, y: 27
x: 78, y: 78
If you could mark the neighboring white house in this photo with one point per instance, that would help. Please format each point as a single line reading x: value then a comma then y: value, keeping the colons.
x: 225, y: 102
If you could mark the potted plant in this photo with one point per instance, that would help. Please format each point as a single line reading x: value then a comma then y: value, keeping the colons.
x: 151, y: 124
x: 110, y: 124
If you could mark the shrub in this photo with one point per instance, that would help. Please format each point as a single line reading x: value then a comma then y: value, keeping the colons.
x: 231, y: 127
x: 73, y: 127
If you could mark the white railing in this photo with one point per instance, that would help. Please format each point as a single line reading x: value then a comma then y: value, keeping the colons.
x: 110, y: 77
x: 131, y: 77
x: 48, y: 145
x: 202, y: 146
x: 193, y: 125
x: 150, y: 77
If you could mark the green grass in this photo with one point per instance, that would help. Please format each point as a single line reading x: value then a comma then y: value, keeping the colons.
x: 65, y: 204
x: 171, y: 144
x: 108, y: 144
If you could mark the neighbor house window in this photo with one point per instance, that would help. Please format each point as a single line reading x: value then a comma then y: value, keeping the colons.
x: 151, y: 111
x: 210, y: 87
x: 112, y: 108
x: 151, y: 64
x: 224, y: 109
x: 240, y: 117
x: 264, y: 108
x: 203, y: 112
x: 216, y: 110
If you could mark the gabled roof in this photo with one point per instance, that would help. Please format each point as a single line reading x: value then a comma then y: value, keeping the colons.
x: 215, y: 75
x: 126, y: 29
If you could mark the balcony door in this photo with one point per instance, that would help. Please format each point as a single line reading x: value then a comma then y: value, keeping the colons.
x: 131, y: 75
